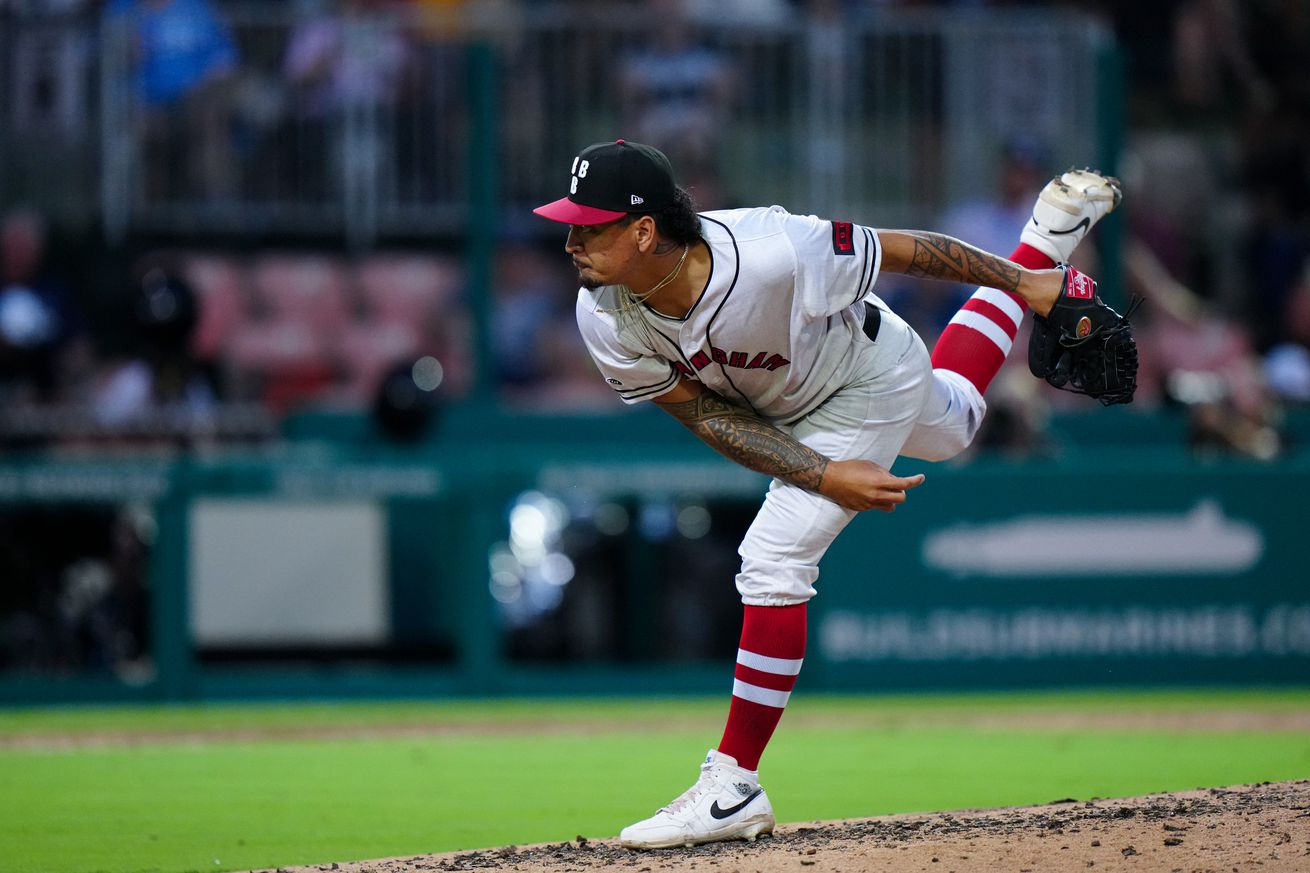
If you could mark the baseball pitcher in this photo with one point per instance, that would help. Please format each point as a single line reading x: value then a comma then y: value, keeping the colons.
x: 762, y: 333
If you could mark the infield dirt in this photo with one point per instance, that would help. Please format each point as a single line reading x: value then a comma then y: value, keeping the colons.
x: 1263, y: 827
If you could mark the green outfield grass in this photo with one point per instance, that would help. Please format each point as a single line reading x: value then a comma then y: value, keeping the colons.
x: 234, y: 787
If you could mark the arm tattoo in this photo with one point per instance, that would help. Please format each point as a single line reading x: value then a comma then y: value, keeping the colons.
x: 942, y: 257
x: 742, y: 436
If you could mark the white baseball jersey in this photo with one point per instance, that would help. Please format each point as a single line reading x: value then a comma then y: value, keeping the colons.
x: 775, y: 329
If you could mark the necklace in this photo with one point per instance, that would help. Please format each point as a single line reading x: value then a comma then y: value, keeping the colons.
x: 642, y: 298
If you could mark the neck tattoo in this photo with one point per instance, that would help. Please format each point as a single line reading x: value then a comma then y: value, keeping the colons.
x: 673, y: 274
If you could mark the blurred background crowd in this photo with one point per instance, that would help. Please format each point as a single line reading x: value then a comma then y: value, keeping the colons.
x: 216, y: 216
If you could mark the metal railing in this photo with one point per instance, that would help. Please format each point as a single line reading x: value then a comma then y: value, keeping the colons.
x: 890, y: 115
x: 48, y: 134
x: 368, y: 126
x: 326, y: 125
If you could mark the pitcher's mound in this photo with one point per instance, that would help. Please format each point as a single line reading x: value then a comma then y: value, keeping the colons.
x: 1263, y: 827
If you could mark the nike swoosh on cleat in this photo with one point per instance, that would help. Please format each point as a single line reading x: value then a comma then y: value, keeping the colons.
x: 719, y: 812
x: 1082, y: 225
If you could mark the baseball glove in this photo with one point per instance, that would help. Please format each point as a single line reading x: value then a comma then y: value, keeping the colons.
x: 1084, y: 346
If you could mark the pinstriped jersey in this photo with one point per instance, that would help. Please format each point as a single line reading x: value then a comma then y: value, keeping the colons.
x: 775, y: 329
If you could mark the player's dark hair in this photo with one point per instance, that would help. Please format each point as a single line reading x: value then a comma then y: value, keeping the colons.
x: 677, y: 222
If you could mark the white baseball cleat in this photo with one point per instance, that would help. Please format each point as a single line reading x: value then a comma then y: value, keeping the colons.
x: 726, y: 803
x: 1068, y: 207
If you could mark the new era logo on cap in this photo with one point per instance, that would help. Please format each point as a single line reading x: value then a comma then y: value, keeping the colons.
x: 607, y: 180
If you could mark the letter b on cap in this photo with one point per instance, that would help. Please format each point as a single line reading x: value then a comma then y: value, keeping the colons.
x: 579, y: 172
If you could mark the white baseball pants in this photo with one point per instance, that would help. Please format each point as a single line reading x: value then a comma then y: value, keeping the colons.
x: 900, y: 406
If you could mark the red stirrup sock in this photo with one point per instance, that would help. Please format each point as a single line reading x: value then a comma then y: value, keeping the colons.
x: 772, y: 650
x: 979, y: 336
x: 1034, y: 259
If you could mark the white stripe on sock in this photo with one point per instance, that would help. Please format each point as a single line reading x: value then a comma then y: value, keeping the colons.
x: 765, y: 664
x: 986, y: 327
x: 1001, y: 301
x: 762, y: 696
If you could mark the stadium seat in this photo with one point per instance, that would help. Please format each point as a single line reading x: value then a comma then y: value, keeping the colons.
x: 289, y: 362
x: 311, y: 289
x: 406, y: 287
x: 286, y: 352
x: 220, y: 284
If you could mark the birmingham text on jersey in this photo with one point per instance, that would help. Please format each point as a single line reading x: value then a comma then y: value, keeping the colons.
x: 741, y: 360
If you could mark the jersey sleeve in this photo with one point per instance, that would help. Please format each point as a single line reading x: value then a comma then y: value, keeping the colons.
x: 635, y: 373
x: 837, y: 263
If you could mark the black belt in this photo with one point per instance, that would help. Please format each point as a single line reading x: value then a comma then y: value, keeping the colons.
x: 872, y: 321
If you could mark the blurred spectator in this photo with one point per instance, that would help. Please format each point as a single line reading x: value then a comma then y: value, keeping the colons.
x: 1275, y: 172
x: 164, y: 379
x: 539, y: 360
x: 1277, y: 177
x: 831, y: 96
x: 434, y: 109
x: 573, y: 384
x: 50, y: 64
x: 739, y: 12
x: 529, y: 293
x: 1227, y: 109
x: 358, y: 60
x: 992, y: 221
x: 1219, y: 202
x: 1287, y: 364
x: 44, y: 349
x: 1180, y: 332
x: 1210, y: 45
x: 675, y: 91
x: 184, y: 63
x: 1195, y: 357
x: 442, y: 18
x: 1287, y: 370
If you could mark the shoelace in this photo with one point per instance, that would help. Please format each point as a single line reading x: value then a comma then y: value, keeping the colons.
x: 692, y: 794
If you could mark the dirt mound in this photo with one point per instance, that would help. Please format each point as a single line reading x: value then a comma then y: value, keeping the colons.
x: 1263, y: 827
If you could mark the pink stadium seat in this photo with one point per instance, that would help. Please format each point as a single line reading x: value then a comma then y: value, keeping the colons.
x: 310, y: 289
x: 289, y: 360
x: 219, y: 283
x: 322, y: 331
x: 290, y: 347
x: 407, y: 287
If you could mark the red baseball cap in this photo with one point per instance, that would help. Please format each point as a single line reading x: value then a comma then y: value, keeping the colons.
x: 612, y: 179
